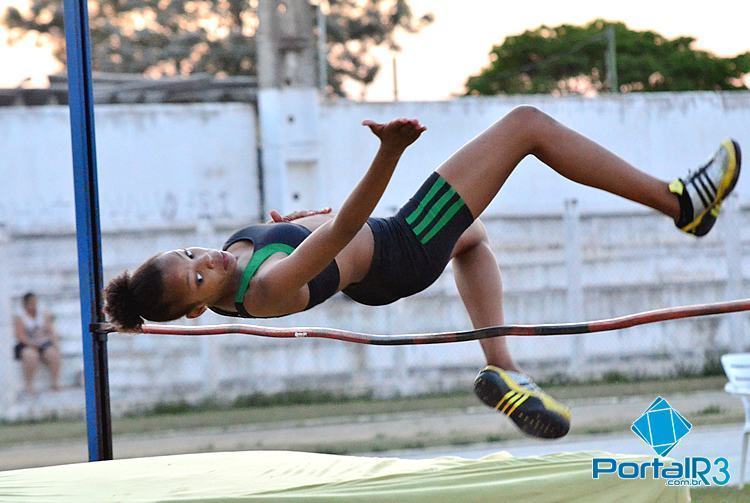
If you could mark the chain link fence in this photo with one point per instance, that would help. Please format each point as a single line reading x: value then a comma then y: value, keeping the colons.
x: 561, y: 267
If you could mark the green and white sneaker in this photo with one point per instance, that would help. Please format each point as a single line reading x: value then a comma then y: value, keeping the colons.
x: 702, y: 191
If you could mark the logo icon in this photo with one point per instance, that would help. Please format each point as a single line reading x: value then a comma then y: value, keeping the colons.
x: 661, y: 426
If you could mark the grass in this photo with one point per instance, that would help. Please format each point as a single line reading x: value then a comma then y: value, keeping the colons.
x: 222, y: 418
x: 710, y: 410
x: 624, y: 425
x: 720, y: 495
x: 301, y: 406
x: 256, y: 400
x: 613, y: 384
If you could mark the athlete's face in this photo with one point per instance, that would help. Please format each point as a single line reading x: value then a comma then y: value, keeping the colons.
x: 196, y: 278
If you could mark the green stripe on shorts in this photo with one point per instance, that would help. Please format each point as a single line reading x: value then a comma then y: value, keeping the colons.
x: 455, y: 207
x: 425, y: 200
x: 420, y: 220
x: 432, y: 211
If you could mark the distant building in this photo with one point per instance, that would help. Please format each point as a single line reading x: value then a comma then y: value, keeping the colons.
x: 110, y: 88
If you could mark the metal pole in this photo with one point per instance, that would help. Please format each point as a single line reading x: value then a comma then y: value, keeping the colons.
x: 395, y: 78
x: 733, y: 250
x: 8, y: 372
x: 322, y: 50
x: 611, y: 56
x: 81, y: 102
x: 574, y: 268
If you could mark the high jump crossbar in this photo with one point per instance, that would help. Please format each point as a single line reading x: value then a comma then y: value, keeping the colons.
x: 587, y: 327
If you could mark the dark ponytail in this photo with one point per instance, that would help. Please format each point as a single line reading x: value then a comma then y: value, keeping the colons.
x: 132, y: 299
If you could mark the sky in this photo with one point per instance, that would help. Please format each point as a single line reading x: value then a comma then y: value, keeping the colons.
x: 435, y: 63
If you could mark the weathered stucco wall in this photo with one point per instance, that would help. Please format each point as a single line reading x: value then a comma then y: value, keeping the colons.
x: 177, y: 175
x: 157, y: 165
x: 664, y: 134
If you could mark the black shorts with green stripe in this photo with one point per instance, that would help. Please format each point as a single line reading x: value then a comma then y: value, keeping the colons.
x: 413, y: 247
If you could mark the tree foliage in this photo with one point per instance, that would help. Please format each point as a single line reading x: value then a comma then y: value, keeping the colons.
x: 354, y: 27
x: 570, y: 59
x: 180, y: 37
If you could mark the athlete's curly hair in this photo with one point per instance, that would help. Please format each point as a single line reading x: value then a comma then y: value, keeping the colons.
x: 132, y: 299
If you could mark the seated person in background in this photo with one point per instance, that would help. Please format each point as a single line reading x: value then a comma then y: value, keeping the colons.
x: 36, y: 341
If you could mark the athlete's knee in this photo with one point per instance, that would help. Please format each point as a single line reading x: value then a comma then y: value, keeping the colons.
x: 479, y: 232
x: 475, y: 235
x: 528, y: 114
x: 528, y: 124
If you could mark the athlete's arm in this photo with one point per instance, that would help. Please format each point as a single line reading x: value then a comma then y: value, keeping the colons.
x: 322, y: 246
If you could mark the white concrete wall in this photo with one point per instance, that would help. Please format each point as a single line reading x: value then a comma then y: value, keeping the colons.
x: 169, y: 164
x: 290, y: 135
x: 157, y: 164
x: 163, y: 167
x: 630, y: 262
x: 664, y: 134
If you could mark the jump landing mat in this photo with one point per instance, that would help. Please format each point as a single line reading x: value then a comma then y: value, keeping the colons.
x: 288, y: 476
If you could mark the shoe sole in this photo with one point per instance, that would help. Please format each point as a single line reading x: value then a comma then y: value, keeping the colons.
x: 738, y: 160
x: 522, y: 406
x: 720, y: 195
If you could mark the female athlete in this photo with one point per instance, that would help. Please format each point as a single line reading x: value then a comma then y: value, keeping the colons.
x: 275, y: 269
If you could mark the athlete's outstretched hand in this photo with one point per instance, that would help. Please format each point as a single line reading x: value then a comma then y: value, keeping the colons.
x: 399, y: 133
x: 276, y: 216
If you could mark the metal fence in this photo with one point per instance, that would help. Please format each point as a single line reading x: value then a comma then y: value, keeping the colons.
x: 556, y: 267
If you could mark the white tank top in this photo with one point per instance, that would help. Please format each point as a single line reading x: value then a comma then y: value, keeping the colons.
x: 33, y: 327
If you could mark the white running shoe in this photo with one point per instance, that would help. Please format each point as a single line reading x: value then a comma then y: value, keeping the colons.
x: 702, y: 191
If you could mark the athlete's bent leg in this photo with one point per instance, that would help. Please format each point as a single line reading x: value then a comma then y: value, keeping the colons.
x: 480, y: 285
x: 479, y: 169
x: 500, y: 384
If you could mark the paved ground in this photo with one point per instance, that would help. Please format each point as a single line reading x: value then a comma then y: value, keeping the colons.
x: 590, y: 415
x: 708, y: 441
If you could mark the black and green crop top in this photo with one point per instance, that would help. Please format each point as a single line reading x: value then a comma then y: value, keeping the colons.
x: 268, y: 239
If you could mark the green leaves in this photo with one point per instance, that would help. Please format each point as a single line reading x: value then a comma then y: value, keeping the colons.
x: 180, y: 37
x: 569, y: 59
x: 355, y: 27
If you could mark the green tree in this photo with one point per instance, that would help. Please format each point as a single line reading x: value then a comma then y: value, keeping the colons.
x: 570, y: 59
x: 180, y: 37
